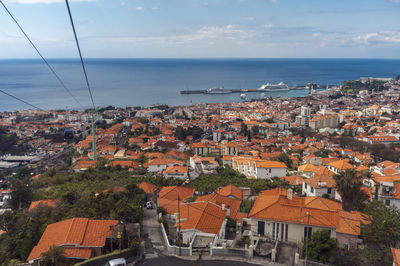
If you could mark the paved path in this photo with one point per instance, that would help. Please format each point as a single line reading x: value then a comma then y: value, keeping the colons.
x: 153, y: 241
x: 173, y: 261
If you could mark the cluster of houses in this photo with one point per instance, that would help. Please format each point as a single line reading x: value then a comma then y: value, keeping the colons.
x: 277, y: 214
x: 297, y: 140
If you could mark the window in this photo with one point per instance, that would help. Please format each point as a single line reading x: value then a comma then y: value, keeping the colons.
x: 282, y: 227
x: 273, y: 230
x: 277, y: 230
x: 329, y: 190
x: 387, y: 202
x: 307, y: 232
x: 312, y: 190
x: 261, y: 228
x: 270, y: 170
x: 305, y: 185
x: 286, y: 232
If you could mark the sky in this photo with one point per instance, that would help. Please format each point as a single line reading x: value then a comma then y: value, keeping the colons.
x: 204, y: 28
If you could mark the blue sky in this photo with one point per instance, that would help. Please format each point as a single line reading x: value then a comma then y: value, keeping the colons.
x: 205, y: 28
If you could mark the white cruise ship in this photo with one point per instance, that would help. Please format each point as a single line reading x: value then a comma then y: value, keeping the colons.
x: 274, y: 87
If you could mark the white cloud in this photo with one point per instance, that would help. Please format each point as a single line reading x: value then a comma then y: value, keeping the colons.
x: 395, y: 1
x: 385, y: 37
x: 44, y: 1
x: 212, y: 33
x: 140, y: 8
x: 267, y: 26
x: 155, y: 8
x: 251, y: 18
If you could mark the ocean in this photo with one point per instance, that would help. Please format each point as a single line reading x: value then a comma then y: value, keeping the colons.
x: 141, y: 82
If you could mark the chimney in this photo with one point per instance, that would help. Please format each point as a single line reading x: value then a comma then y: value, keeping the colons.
x: 290, y: 194
x: 223, y: 207
x: 319, y: 183
x: 228, y: 211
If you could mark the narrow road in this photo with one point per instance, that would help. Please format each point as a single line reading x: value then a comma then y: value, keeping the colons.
x: 172, y: 261
x: 153, y: 241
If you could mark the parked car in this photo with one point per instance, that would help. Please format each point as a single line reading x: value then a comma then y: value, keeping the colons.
x: 116, y: 262
x: 149, y: 205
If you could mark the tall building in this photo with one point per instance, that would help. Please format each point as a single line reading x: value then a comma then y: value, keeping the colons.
x: 304, y: 117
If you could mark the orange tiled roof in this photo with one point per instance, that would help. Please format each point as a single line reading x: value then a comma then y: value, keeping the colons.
x: 342, y: 165
x: 80, y: 232
x: 168, y: 197
x: 203, y: 216
x: 231, y: 190
x: 172, y: 193
x: 293, y: 180
x: 270, y: 164
x: 77, y: 253
x: 124, y: 163
x: 323, y: 212
x: 35, y: 204
x: 85, y: 164
x: 176, y: 169
x: 396, y: 256
x: 321, y: 181
x: 233, y: 204
x: 147, y: 187
x: 307, y: 167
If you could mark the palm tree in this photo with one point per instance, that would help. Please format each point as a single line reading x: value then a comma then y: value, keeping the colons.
x: 348, y: 184
x: 55, y: 256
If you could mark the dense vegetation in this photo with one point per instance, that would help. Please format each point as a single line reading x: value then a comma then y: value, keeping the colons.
x: 195, y: 131
x: 321, y: 246
x: 89, y: 195
x: 9, y: 142
x: 355, y: 86
x: 380, y: 151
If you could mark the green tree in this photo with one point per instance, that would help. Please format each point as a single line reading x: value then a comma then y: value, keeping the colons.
x: 321, y: 246
x: 125, y: 239
x: 55, y: 256
x: 348, y: 185
x: 382, y: 226
x: 21, y: 195
x: 284, y: 158
x: 380, y: 232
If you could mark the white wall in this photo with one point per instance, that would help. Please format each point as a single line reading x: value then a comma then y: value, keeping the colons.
x: 317, y: 191
x: 181, y: 176
x: 295, y: 231
x: 264, y: 173
x: 157, y: 168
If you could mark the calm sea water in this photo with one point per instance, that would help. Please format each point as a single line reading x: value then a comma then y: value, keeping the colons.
x: 133, y: 82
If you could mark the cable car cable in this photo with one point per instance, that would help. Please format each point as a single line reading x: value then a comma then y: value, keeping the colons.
x: 25, y: 102
x: 80, y: 54
x: 40, y: 54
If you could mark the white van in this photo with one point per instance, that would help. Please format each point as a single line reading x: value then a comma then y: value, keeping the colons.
x: 116, y: 262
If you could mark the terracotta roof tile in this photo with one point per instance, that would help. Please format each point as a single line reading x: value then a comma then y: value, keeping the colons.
x: 231, y: 190
x: 147, y: 187
x: 35, y: 204
x: 80, y: 232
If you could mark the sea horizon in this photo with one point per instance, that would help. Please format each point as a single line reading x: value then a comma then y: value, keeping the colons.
x: 123, y: 82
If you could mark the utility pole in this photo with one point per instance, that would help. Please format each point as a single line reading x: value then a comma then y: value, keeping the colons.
x: 94, y: 138
x: 179, y: 226
x: 308, y: 223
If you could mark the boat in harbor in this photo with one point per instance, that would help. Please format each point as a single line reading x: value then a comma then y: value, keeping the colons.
x: 220, y: 90
x: 274, y: 87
